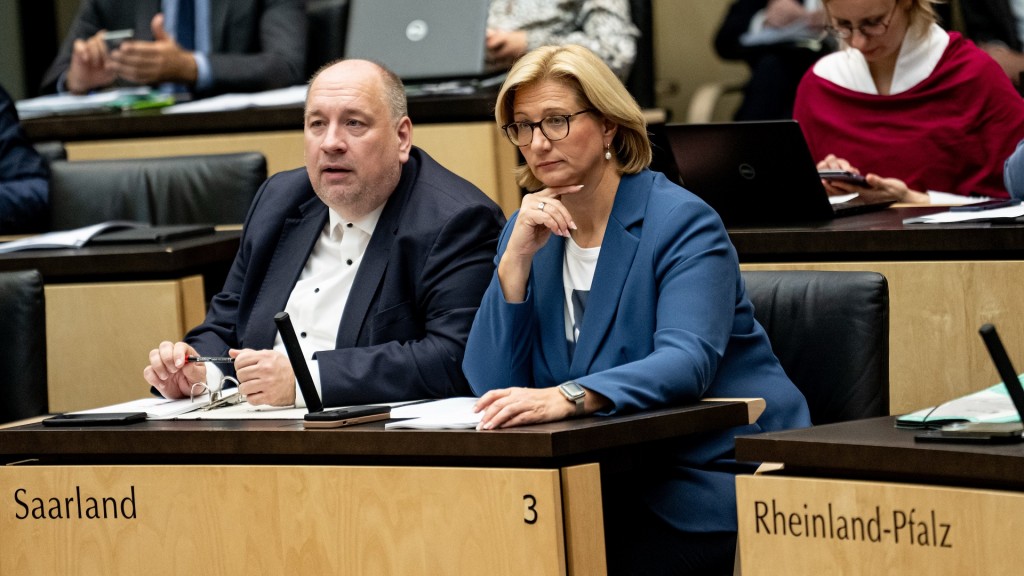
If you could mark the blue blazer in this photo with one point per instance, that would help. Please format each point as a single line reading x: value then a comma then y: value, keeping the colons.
x: 667, y: 322
x: 404, y: 327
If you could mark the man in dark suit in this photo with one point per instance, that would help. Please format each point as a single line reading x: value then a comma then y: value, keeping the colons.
x: 995, y: 26
x: 209, y: 46
x: 775, y: 66
x: 379, y: 255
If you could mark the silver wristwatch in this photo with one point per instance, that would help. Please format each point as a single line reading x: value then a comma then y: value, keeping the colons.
x: 575, y: 393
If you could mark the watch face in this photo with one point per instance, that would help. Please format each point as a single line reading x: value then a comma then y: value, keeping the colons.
x: 572, y: 390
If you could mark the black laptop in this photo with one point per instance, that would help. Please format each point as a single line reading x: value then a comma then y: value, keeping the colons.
x: 755, y: 173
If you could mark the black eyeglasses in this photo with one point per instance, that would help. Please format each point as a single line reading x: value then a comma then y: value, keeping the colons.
x: 553, y: 128
x: 869, y: 30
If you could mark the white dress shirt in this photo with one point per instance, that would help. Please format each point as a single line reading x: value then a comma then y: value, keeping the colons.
x: 321, y: 292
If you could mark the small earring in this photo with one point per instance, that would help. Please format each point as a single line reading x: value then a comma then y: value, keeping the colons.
x: 607, y: 152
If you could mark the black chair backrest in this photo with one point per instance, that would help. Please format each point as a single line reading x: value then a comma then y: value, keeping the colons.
x: 207, y: 189
x: 830, y: 331
x: 327, y: 22
x: 640, y: 81
x: 22, y: 346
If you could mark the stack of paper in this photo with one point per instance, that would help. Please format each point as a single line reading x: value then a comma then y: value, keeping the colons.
x: 991, y: 405
x: 450, y: 413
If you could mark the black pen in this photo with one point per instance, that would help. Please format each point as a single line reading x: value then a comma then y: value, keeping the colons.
x: 212, y: 359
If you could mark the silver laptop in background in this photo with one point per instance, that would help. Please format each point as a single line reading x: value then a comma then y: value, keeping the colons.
x: 421, y: 39
x: 755, y: 173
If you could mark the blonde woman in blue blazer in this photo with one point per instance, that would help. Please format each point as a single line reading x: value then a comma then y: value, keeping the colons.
x: 618, y: 291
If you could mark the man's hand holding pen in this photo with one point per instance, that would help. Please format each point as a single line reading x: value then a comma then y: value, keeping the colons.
x: 170, y: 372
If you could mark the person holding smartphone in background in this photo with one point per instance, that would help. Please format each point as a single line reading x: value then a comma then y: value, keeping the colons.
x: 908, y: 105
x: 207, y: 46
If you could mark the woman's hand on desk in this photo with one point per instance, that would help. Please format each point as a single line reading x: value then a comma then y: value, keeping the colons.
x: 170, y: 373
x: 509, y: 407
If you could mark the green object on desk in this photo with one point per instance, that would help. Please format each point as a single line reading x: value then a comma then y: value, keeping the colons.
x: 143, y: 101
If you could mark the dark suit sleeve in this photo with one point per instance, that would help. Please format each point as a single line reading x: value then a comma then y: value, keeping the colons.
x: 735, y: 23
x: 88, y: 21
x: 277, y: 58
x: 987, y: 21
x: 24, y: 185
x: 449, y: 286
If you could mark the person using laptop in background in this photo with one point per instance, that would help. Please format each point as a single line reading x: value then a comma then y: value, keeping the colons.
x: 604, y: 26
x: 208, y: 46
x: 912, y: 107
x: 378, y: 254
x: 24, y: 176
x: 618, y: 291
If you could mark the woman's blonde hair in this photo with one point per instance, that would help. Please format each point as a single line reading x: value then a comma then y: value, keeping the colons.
x: 596, y: 86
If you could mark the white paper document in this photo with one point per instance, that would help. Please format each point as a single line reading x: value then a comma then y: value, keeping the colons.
x: 450, y: 413
x: 75, y: 238
x: 159, y: 408
x: 948, y: 217
x: 281, y: 97
x: 991, y: 405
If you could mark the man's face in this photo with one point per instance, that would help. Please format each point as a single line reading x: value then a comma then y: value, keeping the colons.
x: 354, y: 149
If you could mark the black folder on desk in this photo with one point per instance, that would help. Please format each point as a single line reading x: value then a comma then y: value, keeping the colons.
x: 152, y: 234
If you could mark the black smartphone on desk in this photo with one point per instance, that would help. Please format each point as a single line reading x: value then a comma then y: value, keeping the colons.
x: 975, y: 433
x: 986, y: 205
x: 95, y: 419
x: 346, y: 416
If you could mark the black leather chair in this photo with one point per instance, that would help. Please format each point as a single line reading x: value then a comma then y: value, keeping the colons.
x: 830, y: 331
x: 327, y: 21
x: 22, y: 346
x: 207, y: 189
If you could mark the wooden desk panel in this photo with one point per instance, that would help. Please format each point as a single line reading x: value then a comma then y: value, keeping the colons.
x: 944, y: 283
x: 935, y: 310
x: 108, y: 306
x: 275, y: 498
x: 98, y: 336
x: 872, y: 471
x: 290, y: 520
x: 802, y: 526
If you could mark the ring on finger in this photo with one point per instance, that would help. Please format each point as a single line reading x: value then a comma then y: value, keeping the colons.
x: 541, y: 205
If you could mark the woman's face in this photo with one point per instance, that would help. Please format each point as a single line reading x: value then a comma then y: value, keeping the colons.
x: 579, y: 156
x: 877, y: 27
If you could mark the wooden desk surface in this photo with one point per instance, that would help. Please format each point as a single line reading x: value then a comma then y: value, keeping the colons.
x: 422, y: 109
x: 875, y: 449
x: 279, y: 441
x: 128, y: 261
x: 879, y: 235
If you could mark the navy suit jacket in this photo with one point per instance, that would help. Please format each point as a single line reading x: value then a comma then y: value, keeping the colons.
x: 254, y: 44
x: 24, y: 176
x: 667, y: 322
x: 403, y: 331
